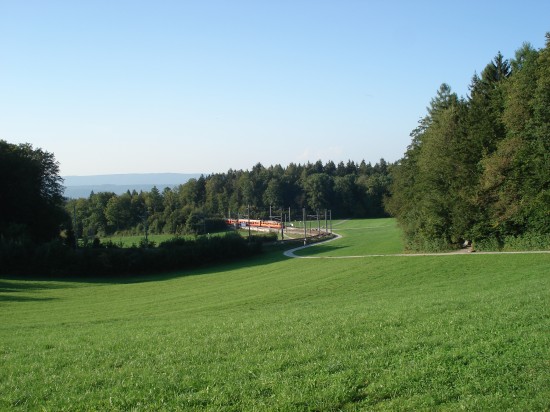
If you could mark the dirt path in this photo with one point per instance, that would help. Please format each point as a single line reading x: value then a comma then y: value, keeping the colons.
x: 290, y: 253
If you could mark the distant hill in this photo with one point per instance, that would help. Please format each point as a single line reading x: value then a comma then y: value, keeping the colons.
x: 82, y: 186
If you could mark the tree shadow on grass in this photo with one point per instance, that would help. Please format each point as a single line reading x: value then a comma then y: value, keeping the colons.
x: 10, y: 289
x: 18, y: 283
x: 316, y: 250
x: 16, y: 298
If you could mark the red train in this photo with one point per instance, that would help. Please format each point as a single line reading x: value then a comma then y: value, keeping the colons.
x: 272, y: 224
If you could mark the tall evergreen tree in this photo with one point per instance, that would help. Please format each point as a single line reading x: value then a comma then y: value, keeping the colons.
x: 480, y: 168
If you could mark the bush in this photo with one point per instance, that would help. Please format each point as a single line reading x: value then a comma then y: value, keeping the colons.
x: 215, y: 225
x: 264, y: 237
x: 55, y: 258
x: 421, y: 244
x: 14, y: 254
x: 490, y: 244
x: 528, y: 241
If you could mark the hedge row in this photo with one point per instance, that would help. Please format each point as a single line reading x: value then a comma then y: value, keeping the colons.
x: 55, y: 258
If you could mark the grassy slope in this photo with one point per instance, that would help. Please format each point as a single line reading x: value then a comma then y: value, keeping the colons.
x: 360, y: 237
x: 391, y: 333
x: 134, y: 240
x: 129, y: 241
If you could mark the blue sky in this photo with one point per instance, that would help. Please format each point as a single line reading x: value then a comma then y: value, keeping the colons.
x: 205, y: 86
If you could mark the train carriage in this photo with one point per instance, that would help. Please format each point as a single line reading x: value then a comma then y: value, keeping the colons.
x: 271, y: 224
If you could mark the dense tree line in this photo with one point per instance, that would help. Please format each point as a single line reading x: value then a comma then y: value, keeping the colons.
x: 348, y: 189
x: 31, y: 195
x: 56, y: 258
x: 478, y: 168
x: 37, y: 225
x: 36, y: 232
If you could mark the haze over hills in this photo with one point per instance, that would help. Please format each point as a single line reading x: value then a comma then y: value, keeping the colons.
x: 82, y: 186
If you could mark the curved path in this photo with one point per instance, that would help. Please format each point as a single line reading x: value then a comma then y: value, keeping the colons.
x: 290, y: 252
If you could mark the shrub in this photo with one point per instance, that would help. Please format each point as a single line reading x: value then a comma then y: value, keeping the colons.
x: 55, y: 258
x: 264, y: 237
x: 528, y: 241
x: 489, y: 244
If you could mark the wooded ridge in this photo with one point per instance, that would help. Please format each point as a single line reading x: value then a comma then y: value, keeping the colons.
x: 478, y: 167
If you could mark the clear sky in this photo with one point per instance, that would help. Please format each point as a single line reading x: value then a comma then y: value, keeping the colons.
x: 205, y: 86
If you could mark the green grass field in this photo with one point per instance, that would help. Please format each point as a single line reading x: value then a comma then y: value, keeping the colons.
x: 129, y: 241
x: 134, y: 240
x: 360, y: 237
x: 382, y: 333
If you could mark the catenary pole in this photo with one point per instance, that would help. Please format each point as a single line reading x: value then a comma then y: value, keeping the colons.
x: 305, y: 228
x: 282, y: 226
x: 318, y: 222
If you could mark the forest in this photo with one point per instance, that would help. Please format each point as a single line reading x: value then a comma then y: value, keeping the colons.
x: 476, y: 171
x: 347, y: 189
x: 42, y: 232
x: 478, y: 167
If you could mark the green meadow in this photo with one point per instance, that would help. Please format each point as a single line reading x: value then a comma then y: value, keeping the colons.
x: 360, y: 237
x: 274, y: 333
x: 134, y: 240
x: 127, y: 241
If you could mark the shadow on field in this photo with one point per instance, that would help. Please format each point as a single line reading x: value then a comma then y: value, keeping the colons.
x: 9, y: 291
x: 26, y: 286
x: 11, y: 298
x: 20, y: 283
x: 315, y: 250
